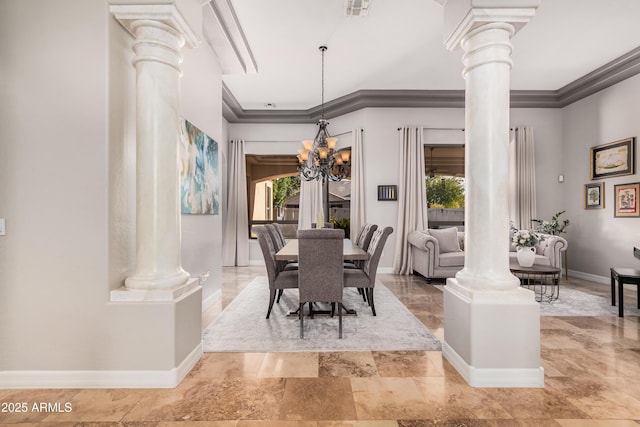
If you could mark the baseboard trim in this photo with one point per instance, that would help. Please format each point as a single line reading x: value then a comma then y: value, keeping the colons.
x: 211, y: 299
x: 101, y: 379
x: 510, y: 378
x: 590, y: 277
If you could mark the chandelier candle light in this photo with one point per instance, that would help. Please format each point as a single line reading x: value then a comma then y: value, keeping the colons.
x: 319, y: 157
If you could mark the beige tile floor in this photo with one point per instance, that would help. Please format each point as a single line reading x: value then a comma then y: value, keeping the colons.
x: 592, y: 379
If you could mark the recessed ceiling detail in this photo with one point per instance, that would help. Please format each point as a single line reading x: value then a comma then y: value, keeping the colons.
x: 399, y: 46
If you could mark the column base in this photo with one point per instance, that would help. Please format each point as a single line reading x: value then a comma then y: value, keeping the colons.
x: 127, y: 294
x: 492, y: 338
x: 156, y: 282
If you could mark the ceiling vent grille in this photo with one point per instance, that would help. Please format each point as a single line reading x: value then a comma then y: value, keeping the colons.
x: 357, y: 7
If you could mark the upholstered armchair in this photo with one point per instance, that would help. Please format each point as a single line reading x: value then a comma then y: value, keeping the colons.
x: 320, y: 253
x: 437, y: 253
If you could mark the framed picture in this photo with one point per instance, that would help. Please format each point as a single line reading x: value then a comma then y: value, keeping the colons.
x: 626, y: 200
x: 387, y: 192
x: 594, y: 195
x: 613, y: 159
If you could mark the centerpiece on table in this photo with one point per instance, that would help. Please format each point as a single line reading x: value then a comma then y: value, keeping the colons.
x: 525, y: 242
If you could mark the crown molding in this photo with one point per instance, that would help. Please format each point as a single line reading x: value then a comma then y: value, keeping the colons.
x: 224, y: 35
x: 619, y: 69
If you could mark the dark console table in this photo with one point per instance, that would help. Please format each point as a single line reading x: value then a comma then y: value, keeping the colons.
x: 624, y: 276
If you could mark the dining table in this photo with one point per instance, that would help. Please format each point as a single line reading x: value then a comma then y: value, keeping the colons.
x: 350, y: 251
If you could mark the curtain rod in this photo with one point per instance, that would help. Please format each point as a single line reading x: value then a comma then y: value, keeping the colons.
x: 425, y: 128
x: 300, y: 140
x: 462, y: 129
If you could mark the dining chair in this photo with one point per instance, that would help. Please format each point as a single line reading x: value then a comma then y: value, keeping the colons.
x: 366, y: 276
x: 320, y: 277
x: 362, y: 240
x: 278, y: 242
x: 278, y: 279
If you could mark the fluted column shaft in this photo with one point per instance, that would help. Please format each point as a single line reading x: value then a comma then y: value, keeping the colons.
x: 487, y: 62
x: 157, y: 61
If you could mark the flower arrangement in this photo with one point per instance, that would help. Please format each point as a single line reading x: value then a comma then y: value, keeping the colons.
x: 554, y: 227
x: 526, y: 238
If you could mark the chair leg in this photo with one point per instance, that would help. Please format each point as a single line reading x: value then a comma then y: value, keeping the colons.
x: 311, y: 310
x: 301, y: 316
x: 272, y: 298
x: 370, y: 295
x: 333, y: 307
x: 280, y: 292
x: 362, y: 292
x: 339, y: 320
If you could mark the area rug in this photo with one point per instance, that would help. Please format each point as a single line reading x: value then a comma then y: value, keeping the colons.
x: 242, y: 325
x: 573, y: 302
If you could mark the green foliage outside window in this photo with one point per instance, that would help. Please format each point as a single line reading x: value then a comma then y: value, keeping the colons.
x: 283, y: 188
x: 445, y: 192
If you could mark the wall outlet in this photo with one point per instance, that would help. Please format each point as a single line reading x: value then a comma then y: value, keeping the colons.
x: 2, y: 229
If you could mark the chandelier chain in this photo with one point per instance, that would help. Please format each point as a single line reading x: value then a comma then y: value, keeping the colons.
x: 322, y: 49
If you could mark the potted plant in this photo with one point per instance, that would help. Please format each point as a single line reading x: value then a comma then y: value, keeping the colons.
x: 525, y: 242
x: 553, y: 227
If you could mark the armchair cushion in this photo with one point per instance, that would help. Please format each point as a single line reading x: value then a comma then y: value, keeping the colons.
x: 447, y: 239
x: 452, y: 259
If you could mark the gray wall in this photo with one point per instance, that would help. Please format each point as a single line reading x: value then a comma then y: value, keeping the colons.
x: 597, y: 240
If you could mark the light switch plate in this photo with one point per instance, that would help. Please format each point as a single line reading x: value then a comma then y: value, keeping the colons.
x: 2, y: 231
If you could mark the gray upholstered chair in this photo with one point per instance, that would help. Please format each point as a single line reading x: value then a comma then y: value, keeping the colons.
x: 278, y: 242
x: 320, y: 276
x: 362, y: 240
x: 278, y: 279
x: 279, y: 233
x: 366, y: 277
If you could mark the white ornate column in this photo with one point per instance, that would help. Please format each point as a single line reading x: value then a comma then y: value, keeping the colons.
x: 160, y: 32
x: 492, y: 326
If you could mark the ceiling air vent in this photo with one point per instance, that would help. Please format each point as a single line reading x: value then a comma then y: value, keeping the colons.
x: 357, y: 7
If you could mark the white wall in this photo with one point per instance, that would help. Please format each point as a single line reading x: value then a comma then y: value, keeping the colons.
x: 381, y: 141
x: 597, y: 240
x: 67, y: 191
x: 201, y: 104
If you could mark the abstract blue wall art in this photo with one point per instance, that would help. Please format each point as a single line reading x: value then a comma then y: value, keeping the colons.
x: 199, y: 178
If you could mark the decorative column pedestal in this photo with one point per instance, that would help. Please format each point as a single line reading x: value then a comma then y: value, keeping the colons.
x: 160, y: 32
x: 491, y: 325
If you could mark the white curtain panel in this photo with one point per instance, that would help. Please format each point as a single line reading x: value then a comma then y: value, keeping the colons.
x: 235, y: 241
x: 412, y: 200
x: 357, y: 214
x: 310, y: 203
x: 522, y: 177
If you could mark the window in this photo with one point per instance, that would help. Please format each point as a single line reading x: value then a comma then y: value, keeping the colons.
x: 273, y: 193
x: 444, y: 172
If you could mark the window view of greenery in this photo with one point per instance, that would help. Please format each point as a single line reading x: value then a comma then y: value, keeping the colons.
x: 445, y: 192
x: 283, y: 188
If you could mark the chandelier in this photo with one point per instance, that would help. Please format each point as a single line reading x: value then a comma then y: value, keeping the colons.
x: 319, y: 157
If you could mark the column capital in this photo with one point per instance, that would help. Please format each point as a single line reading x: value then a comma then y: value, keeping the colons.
x: 463, y: 16
x: 168, y: 14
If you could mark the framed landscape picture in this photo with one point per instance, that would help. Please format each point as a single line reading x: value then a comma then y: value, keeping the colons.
x: 613, y: 159
x: 626, y: 200
x: 594, y: 195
